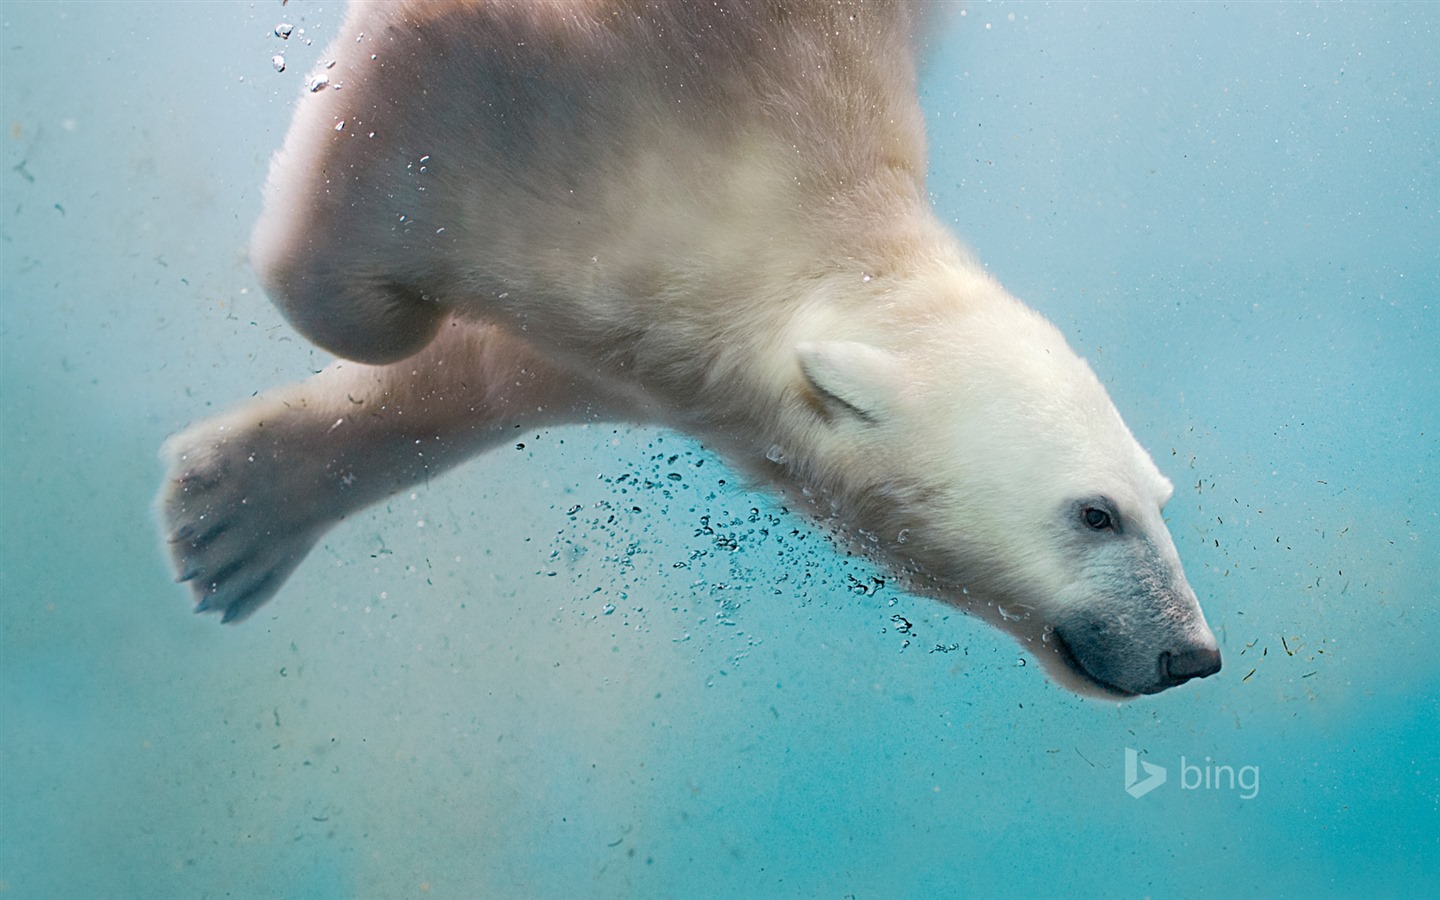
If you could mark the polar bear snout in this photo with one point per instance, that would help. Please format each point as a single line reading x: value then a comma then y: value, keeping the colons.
x: 1110, y: 662
x: 1196, y: 662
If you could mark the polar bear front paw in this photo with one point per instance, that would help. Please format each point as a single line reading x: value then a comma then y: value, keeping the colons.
x: 235, y: 514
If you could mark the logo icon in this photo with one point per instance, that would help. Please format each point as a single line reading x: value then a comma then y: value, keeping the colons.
x: 1154, y: 775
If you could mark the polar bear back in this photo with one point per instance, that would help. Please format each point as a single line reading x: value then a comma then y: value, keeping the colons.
x: 550, y: 166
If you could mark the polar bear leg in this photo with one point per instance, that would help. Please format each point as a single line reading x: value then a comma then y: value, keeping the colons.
x: 249, y: 492
x: 368, y: 321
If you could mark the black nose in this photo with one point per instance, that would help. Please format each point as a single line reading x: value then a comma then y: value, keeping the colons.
x: 1178, y: 668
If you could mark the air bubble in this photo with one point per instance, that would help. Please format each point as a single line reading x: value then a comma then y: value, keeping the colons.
x: 319, y: 83
x: 283, y: 30
x: 775, y: 454
x: 278, y: 62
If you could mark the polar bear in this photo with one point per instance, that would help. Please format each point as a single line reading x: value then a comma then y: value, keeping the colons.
x: 710, y: 217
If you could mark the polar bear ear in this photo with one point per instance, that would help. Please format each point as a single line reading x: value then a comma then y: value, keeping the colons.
x: 852, y: 378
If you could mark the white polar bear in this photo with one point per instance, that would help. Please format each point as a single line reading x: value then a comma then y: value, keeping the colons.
x: 706, y: 216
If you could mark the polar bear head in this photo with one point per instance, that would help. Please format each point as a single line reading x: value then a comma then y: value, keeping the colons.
x: 984, y: 459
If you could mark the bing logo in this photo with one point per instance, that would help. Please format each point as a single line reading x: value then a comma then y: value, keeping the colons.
x: 1154, y: 775
x: 1192, y: 777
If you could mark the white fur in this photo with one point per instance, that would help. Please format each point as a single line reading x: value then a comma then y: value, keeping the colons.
x: 710, y: 217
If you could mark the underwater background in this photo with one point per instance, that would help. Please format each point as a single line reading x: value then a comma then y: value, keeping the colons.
x: 598, y: 665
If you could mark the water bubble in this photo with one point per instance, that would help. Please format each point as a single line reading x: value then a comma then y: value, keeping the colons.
x: 340, y: 125
x: 283, y: 30
x: 608, y: 608
x: 278, y: 62
x: 903, y: 536
x: 775, y: 454
x: 318, y: 83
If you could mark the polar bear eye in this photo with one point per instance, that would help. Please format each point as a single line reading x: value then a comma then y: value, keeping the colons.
x: 1097, y: 519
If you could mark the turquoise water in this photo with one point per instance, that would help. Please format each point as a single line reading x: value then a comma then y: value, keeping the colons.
x: 679, y: 689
